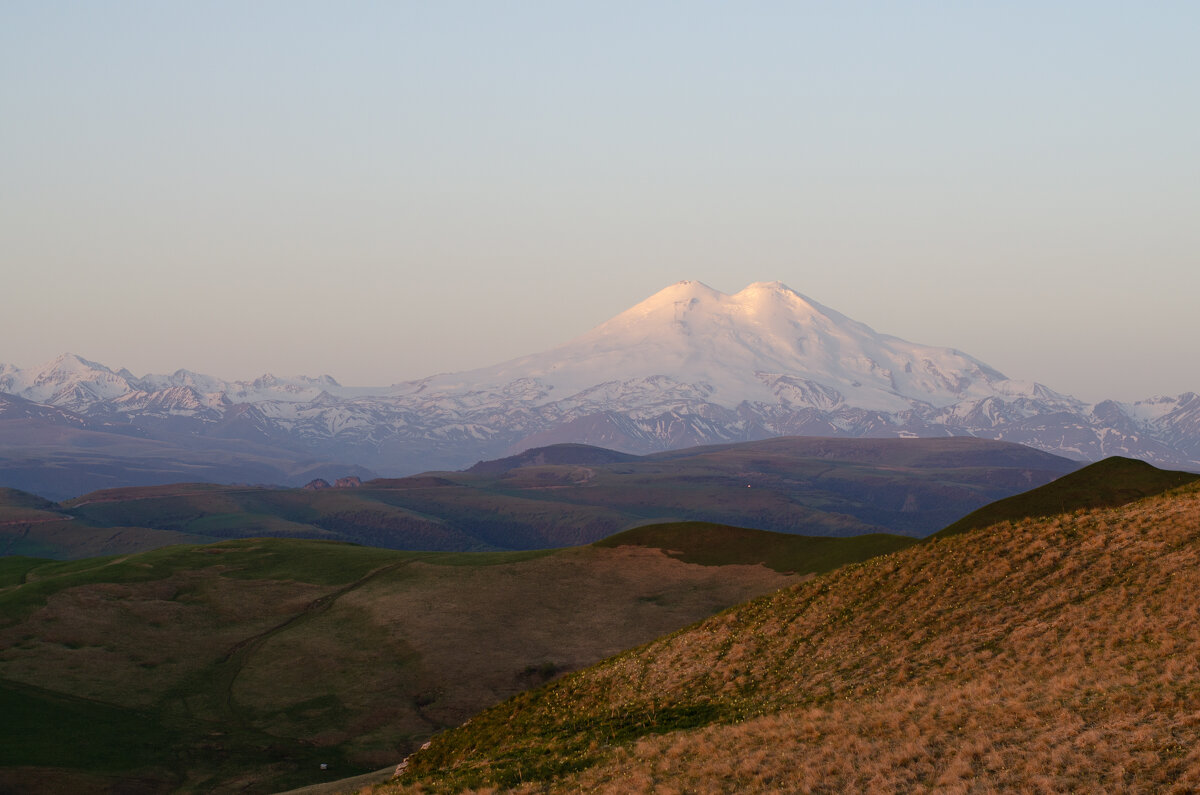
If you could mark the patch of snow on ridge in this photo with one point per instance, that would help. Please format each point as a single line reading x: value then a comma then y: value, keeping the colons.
x: 1154, y: 408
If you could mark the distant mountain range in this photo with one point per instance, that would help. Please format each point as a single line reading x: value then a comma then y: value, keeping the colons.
x: 687, y: 366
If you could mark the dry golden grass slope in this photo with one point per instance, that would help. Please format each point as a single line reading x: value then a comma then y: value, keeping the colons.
x: 1048, y: 655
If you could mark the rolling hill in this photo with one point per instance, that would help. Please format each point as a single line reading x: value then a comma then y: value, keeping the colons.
x: 1054, y: 654
x: 184, y: 668
x: 1105, y: 484
x: 570, y: 495
x: 244, y: 666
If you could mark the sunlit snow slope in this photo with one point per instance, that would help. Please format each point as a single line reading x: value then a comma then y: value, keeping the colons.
x: 764, y: 344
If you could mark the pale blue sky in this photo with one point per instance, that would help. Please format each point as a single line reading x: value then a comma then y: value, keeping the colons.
x: 381, y: 191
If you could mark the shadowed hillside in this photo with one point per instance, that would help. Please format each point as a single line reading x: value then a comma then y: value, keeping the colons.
x: 1047, y: 654
x: 243, y: 666
x: 570, y: 495
x: 1104, y: 484
x: 554, y: 455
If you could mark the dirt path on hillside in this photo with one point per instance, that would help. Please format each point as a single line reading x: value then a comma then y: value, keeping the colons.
x: 63, y: 518
x: 30, y: 576
x: 231, y: 665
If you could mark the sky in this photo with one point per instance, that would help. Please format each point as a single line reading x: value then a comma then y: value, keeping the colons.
x: 384, y: 191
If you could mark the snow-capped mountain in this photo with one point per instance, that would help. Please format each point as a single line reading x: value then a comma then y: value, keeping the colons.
x: 766, y: 344
x: 689, y: 365
x: 72, y: 382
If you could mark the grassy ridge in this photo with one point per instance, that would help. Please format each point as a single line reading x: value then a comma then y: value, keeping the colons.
x: 1055, y: 654
x: 15, y: 498
x: 710, y: 544
x: 1109, y: 483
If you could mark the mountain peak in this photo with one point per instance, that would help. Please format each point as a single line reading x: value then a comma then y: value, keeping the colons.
x: 742, y: 348
x: 689, y: 289
x: 689, y: 295
x: 768, y: 287
x: 686, y: 290
x: 68, y: 381
x: 72, y: 363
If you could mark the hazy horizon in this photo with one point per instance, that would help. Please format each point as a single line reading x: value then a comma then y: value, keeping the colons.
x: 386, y: 192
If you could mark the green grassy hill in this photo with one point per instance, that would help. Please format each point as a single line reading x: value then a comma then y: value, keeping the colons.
x: 33, y: 527
x: 570, y: 495
x: 242, y: 666
x: 1047, y: 654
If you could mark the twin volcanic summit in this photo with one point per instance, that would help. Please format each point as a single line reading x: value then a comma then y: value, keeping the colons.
x: 689, y: 365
